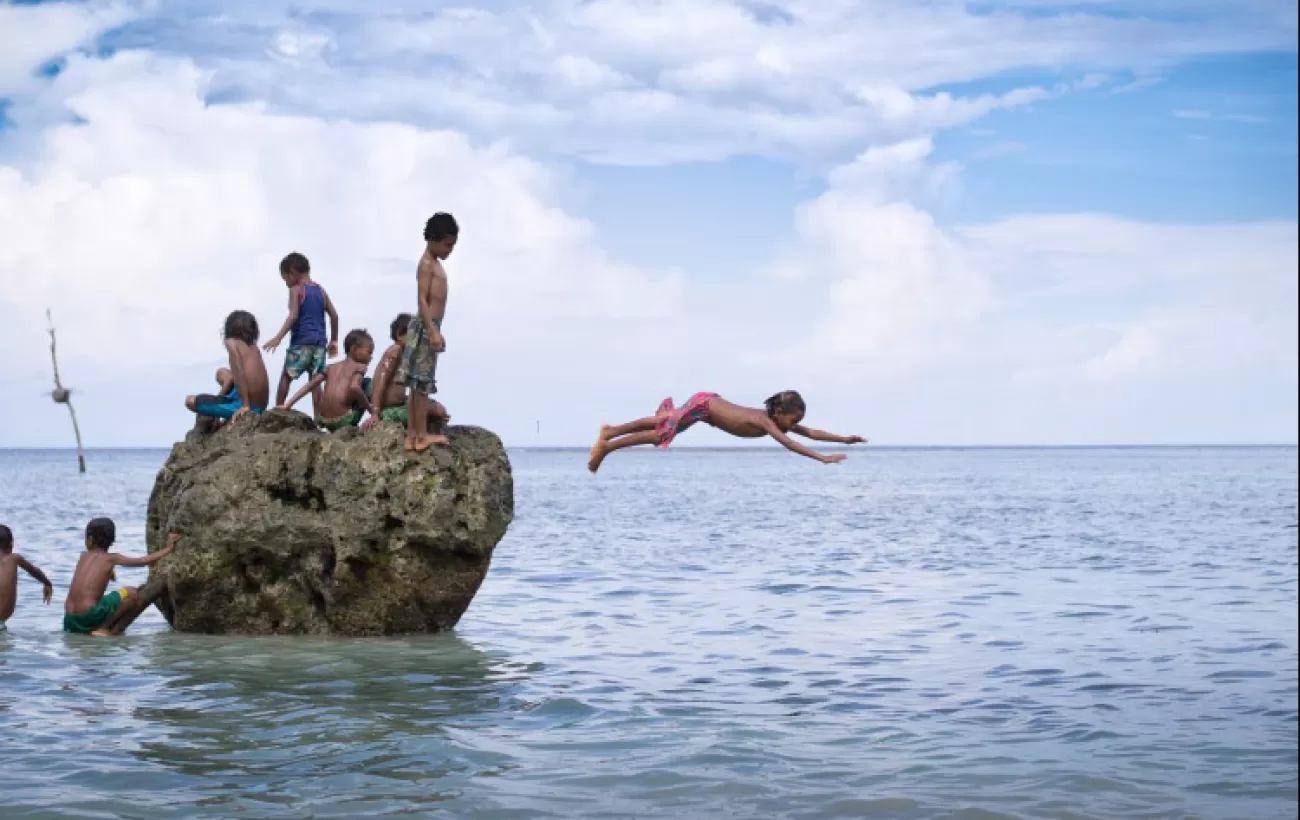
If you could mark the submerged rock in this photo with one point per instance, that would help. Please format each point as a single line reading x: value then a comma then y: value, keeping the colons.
x: 286, y: 529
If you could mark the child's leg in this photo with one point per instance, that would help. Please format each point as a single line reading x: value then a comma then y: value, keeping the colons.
x: 282, y: 391
x: 639, y: 426
x: 604, y: 447
x: 418, y: 435
x: 106, y: 629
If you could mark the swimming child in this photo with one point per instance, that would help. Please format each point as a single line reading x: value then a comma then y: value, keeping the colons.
x: 783, y: 414
x: 10, y: 561
x: 344, y: 400
x: 391, y: 404
x: 308, y: 305
x: 424, y: 339
x: 88, y: 610
x: 245, y: 386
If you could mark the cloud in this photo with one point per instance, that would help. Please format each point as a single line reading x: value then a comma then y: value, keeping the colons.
x: 142, y: 210
x: 665, y: 81
x: 153, y: 215
x: 32, y: 35
x: 1078, y: 322
x: 1207, y: 116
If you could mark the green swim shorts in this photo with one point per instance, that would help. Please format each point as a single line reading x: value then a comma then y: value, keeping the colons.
x: 88, y: 622
x: 348, y: 419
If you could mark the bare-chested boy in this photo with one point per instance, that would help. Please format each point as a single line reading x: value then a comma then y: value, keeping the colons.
x: 387, y: 397
x: 245, y: 387
x: 88, y: 610
x: 424, y: 339
x: 10, y: 561
x: 344, y: 400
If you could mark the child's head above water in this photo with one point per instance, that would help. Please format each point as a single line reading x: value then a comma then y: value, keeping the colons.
x: 358, y: 346
x: 294, y: 268
x: 242, y: 325
x: 786, y: 409
x: 6, y: 540
x: 100, y: 533
x: 397, y: 330
x: 441, y: 232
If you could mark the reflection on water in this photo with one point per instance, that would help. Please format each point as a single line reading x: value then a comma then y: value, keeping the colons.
x: 1016, y: 634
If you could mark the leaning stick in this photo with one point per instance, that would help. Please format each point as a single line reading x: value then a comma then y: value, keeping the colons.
x: 62, y: 395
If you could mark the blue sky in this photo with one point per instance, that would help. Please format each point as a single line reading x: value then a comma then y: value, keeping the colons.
x: 1014, y: 222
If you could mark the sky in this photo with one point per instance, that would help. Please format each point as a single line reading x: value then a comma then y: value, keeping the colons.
x: 1031, y: 222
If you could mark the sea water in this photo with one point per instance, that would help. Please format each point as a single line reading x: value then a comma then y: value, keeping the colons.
x: 1073, y: 633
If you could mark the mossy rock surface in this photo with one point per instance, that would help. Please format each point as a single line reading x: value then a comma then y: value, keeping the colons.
x: 289, y: 530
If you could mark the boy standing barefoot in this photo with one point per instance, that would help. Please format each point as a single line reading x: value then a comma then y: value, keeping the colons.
x: 387, y: 397
x: 309, y: 304
x: 424, y: 340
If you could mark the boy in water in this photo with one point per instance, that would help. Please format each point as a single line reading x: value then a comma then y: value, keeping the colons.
x: 10, y: 561
x: 390, y: 404
x: 424, y: 339
x: 783, y: 414
x: 308, y: 305
x: 344, y: 400
x: 244, y: 385
x: 88, y: 610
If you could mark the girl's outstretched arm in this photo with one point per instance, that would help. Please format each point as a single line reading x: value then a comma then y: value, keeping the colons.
x: 822, y: 435
x: 318, y: 379
x: 795, y: 447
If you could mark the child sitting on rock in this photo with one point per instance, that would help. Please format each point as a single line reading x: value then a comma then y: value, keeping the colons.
x: 87, y: 610
x: 244, y: 386
x: 344, y: 400
x: 387, y: 396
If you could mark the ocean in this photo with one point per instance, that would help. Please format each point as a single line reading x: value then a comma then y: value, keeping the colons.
x: 914, y: 633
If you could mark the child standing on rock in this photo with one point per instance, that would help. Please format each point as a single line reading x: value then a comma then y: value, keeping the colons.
x: 424, y: 339
x: 308, y: 306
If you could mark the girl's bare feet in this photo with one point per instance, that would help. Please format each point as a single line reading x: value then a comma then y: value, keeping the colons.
x: 598, y: 452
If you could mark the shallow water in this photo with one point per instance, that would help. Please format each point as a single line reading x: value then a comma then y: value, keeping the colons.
x: 911, y: 634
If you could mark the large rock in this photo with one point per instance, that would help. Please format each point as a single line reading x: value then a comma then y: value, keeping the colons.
x: 286, y: 529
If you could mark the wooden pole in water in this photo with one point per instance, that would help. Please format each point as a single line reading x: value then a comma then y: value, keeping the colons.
x: 63, y: 395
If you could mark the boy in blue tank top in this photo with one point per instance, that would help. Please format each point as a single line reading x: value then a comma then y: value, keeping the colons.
x: 308, y: 305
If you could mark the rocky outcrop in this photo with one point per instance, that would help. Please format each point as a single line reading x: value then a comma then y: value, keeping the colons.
x: 289, y: 530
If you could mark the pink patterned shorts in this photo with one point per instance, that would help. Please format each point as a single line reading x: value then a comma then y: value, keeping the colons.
x: 676, y: 420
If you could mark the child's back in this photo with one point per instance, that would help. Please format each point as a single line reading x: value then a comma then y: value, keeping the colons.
x: 89, y: 580
x: 309, y: 328
x: 256, y: 381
